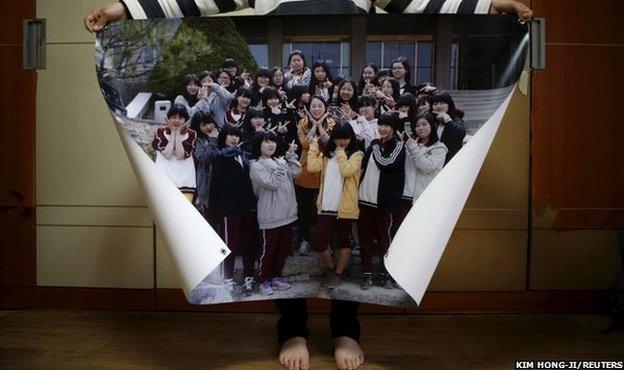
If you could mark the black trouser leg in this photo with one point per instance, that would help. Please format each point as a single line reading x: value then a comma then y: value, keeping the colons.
x: 343, y: 319
x: 293, y: 321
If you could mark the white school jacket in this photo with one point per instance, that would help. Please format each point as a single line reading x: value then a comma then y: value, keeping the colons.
x: 427, y: 162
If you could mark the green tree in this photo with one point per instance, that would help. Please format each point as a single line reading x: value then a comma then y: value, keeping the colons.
x: 200, y: 44
x: 121, y: 45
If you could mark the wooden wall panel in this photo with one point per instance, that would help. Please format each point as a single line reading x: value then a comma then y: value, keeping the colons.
x: 15, y: 12
x: 577, y: 132
x: 576, y: 148
x: 17, y: 132
x: 580, y: 21
x: 17, y: 140
x: 17, y: 246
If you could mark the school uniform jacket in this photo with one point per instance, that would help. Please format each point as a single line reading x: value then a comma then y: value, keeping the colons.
x: 272, y: 181
x: 383, y: 175
x: 453, y: 137
x: 232, y: 193
x: 203, y: 148
x: 307, y: 179
x: 145, y: 9
x: 290, y: 119
x: 350, y: 169
x: 427, y: 162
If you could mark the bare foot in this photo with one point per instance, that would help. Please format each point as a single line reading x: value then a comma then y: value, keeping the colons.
x: 294, y: 354
x: 347, y: 353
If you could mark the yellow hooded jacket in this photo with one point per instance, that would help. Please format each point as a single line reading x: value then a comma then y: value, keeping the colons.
x: 350, y: 168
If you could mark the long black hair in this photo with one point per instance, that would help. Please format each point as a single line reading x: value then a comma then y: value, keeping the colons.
x: 296, y: 92
x: 270, y: 92
x: 301, y: 55
x: 228, y: 130
x: 408, y: 69
x: 188, y: 79
x: 342, y: 130
x: 353, y: 102
x: 247, y: 128
x: 319, y: 98
x: 178, y: 109
x: 362, y: 83
x: 425, y: 99
x: 197, y: 120
x: 396, y: 87
x: 433, y: 123
x: 390, y: 119
x: 272, y: 73
x: 205, y: 74
x: 261, y: 137
x: 230, y: 62
x: 215, y: 77
x: 444, y: 97
x: 367, y: 101
x: 408, y: 100
x: 319, y: 64
x: 242, y: 91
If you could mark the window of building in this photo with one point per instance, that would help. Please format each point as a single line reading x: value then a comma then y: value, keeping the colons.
x: 454, y: 65
x: 336, y: 53
x: 260, y: 52
x: 418, y: 51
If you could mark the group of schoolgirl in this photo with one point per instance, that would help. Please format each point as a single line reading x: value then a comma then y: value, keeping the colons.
x: 301, y: 146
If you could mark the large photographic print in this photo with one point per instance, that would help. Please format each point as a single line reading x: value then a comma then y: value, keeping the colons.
x: 305, y: 141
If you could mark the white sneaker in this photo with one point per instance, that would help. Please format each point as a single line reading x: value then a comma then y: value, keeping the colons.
x: 229, y: 285
x: 279, y: 283
x: 265, y: 288
x: 249, y: 286
x: 304, y: 248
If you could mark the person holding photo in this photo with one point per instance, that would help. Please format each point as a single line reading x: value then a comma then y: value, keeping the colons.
x: 320, y: 83
x: 97, y: 20
x: 427, y: 153
x: 272, y: 180
x: 451, y: 130
x: 206, y: 143
x: 337, y: 202
x: 174, y: 145
x: 234, y: 200
x: 299, y: 73
x: 380, y: 193
x: 294, y: 352
x: 315, y: 124
x: 236, y: 114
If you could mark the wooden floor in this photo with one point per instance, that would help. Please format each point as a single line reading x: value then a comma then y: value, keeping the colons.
x: 161, y: 340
